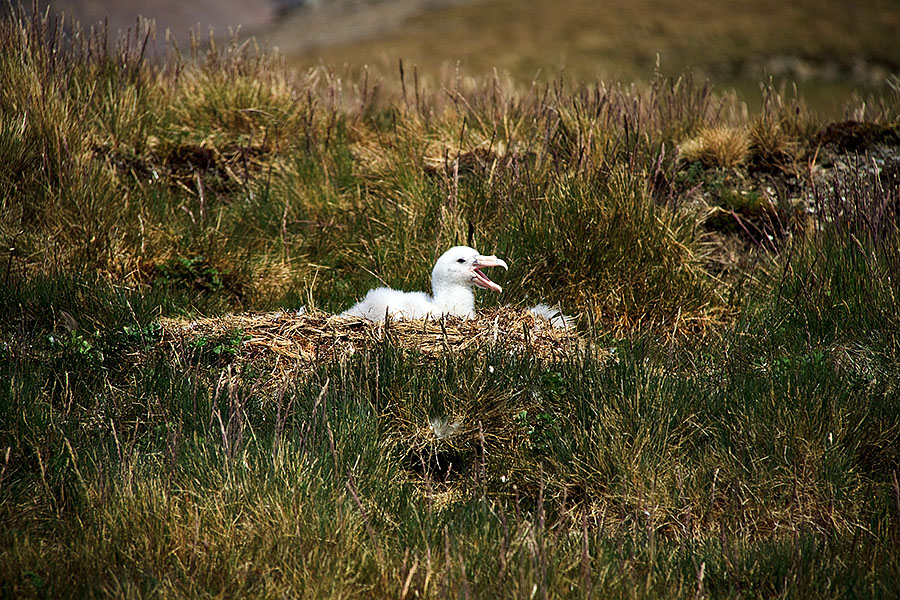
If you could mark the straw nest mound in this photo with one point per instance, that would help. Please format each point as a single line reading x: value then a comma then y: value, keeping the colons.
x: 288, y: 341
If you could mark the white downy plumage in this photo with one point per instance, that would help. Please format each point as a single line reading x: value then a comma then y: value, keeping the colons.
x: 455, y: 273
x: 554, y: 315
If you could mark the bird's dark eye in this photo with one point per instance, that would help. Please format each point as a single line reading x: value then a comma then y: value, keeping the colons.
x: 460, y: 260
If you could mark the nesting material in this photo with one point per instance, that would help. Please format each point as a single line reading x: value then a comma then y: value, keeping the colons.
x: 289, y: 339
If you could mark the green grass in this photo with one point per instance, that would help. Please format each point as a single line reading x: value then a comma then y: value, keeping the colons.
x: 730, y: 430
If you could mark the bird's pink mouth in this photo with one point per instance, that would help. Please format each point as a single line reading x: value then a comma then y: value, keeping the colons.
x: 482, y: 280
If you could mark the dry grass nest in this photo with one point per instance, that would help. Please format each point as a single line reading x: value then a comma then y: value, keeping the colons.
x: 287, y: 341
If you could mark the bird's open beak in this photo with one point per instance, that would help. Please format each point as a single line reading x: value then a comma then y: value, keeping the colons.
x: 480, y: 279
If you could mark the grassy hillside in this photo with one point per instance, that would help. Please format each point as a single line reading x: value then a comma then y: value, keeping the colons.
x: 729, y: 425
x: 831, y: 49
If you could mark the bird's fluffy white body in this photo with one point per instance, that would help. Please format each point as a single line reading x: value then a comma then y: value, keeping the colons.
x: 398, y: 304
x: 554, y: 315
x: 455, y: 273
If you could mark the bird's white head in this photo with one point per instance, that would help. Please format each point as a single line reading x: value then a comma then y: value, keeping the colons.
x: 461, y: 266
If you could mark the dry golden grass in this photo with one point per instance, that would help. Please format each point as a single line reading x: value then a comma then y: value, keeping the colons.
x: 719, y: 146
x: 287, y: 343
x: 770, y: 144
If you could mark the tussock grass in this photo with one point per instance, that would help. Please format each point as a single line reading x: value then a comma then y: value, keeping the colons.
x: 717, y: 147
x: 725, y: 426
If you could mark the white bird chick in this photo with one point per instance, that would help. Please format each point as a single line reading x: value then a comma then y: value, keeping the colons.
x: 455, y: 273
x: 554, y: 315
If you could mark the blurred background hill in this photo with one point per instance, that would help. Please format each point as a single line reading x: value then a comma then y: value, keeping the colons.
x: 830, y: 48
x: 178, y: 17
